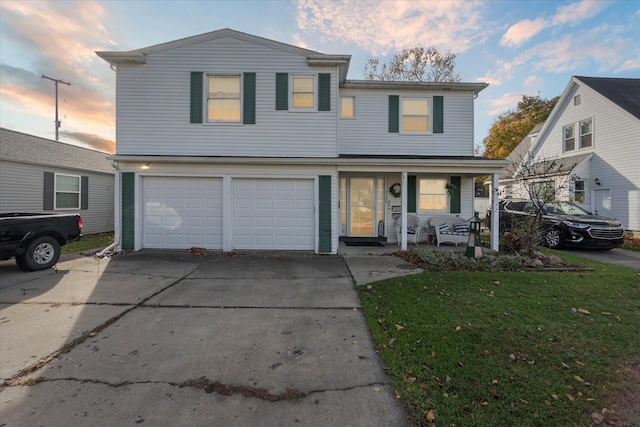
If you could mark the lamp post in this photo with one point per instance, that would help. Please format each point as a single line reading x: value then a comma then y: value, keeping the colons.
x: 474, y: 247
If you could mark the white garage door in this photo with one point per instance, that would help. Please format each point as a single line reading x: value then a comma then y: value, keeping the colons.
x: 181, y: 213
x: 273, y: 214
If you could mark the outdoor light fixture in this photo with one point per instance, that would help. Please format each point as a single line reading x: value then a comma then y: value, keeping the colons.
x: 145, y: 166
x: 597, y: 181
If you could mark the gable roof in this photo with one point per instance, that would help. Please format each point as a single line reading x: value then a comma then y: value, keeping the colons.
x: 314, y: 58
x: 519, y: 152
x: 24, y: 148
x: 625, y: 93
x: 619, y: 91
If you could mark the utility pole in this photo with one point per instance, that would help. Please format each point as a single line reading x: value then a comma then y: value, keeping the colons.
x: 56, y: 81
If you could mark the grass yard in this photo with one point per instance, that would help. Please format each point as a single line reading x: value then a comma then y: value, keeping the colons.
x: 512, y: 348
x: 88, y: 243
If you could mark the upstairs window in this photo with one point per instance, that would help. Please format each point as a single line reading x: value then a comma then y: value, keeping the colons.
x: 67, y: 193
x: 414, y: 115
x: 432, y: 194
x: 303, y: 95
x: 585, y: 134
x: 569, y: 138
x: 347, y: 107
x: 223, y: 99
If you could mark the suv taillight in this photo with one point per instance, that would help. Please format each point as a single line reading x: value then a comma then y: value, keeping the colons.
x: 80, y: 224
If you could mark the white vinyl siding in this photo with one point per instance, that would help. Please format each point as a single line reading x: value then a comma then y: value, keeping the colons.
x: 368, y: 133
x: 153, y: 105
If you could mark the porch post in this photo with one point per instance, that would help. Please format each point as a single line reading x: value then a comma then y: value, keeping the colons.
x: 403, y: 215
x: 495, y: 212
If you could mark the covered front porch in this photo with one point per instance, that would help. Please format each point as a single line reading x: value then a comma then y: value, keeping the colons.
x: 378, y: 194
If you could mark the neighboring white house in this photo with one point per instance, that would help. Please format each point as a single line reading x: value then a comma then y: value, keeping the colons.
x: 41, y: 175
x: 593, y: 138
x: 230, y: 141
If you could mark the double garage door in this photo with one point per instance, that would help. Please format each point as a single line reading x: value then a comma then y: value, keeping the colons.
x: 266, y: 214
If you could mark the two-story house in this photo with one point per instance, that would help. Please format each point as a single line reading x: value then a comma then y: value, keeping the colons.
x: 231, y: 141
x: 592, y: 136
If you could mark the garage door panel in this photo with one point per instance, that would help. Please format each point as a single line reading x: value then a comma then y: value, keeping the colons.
x: 267, y: 213
x: 181, y: 212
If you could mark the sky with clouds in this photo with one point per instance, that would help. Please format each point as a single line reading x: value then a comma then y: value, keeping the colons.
x: 518, y: 47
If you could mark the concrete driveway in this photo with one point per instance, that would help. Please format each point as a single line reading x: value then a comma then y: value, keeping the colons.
x: 171, y: 338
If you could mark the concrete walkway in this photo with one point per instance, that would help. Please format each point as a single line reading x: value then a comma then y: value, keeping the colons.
x: 171, y: 338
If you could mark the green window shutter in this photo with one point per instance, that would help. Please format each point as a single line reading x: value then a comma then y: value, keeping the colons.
x: 282, y: 91
x: 49, y: 191
x: 438, y: 114
x: 394, y: 113
x: 454, y: 199
x: 324, y: 92
x: 411, y: 193
x: 128, y: 201
x: 249, y: 99
x: 197, y: 82
x: 84, y: 192
x: 324, y: 215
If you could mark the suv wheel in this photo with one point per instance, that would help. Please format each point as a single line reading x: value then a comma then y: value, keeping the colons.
x: 554, y: 238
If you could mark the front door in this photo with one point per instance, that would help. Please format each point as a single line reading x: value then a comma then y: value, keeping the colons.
x: 602, y: 202
x: 365, y: 206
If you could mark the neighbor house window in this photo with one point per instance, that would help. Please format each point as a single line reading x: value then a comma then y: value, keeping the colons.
x: 67, y: 193
x: 347, y: 106
x: 303, y: 95
x: 414, y: 115
x: 586, y: 132
x: 578, y: 191
x: 543, y: 190
x: 432, y: 194
x: 223, y: 99
x: 569, y: 138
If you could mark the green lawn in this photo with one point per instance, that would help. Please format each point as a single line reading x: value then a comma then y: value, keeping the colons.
x: 88, y: 243
x: 511, y: 348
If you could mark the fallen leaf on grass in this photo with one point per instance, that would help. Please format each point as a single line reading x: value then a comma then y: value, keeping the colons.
x: 391, y: 341
x: 458, y: 328
x: 430, y: 415
x: 571, y: 398
x: 578, y: 378
x: 583, y: 311
x: 399, y: 327
x: 555, y: 396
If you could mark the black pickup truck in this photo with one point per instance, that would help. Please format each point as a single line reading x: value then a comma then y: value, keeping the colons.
x: 35, y: 238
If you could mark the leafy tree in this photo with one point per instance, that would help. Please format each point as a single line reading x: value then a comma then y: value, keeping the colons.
x: 415, y: 64
x: 512, y: 126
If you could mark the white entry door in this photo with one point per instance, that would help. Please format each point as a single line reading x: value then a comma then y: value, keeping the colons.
x: 602, y: 202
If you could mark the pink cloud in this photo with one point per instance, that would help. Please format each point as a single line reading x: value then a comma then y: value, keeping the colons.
x: 574, y: 13
x: 384, y: 27
x: 522, y: 31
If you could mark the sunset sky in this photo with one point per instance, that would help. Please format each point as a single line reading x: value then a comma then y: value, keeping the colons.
x: 518, y: 47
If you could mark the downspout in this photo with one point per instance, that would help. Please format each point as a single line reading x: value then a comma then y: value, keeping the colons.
x: 116, y: 217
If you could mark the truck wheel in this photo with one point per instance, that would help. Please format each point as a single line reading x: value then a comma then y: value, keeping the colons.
x: 42, y: 253
x: 554, y: 239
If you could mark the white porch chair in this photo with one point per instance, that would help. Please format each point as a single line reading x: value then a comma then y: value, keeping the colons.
x: 413, y: 228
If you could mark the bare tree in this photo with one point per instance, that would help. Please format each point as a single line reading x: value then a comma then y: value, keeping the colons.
x: 415, y: 64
